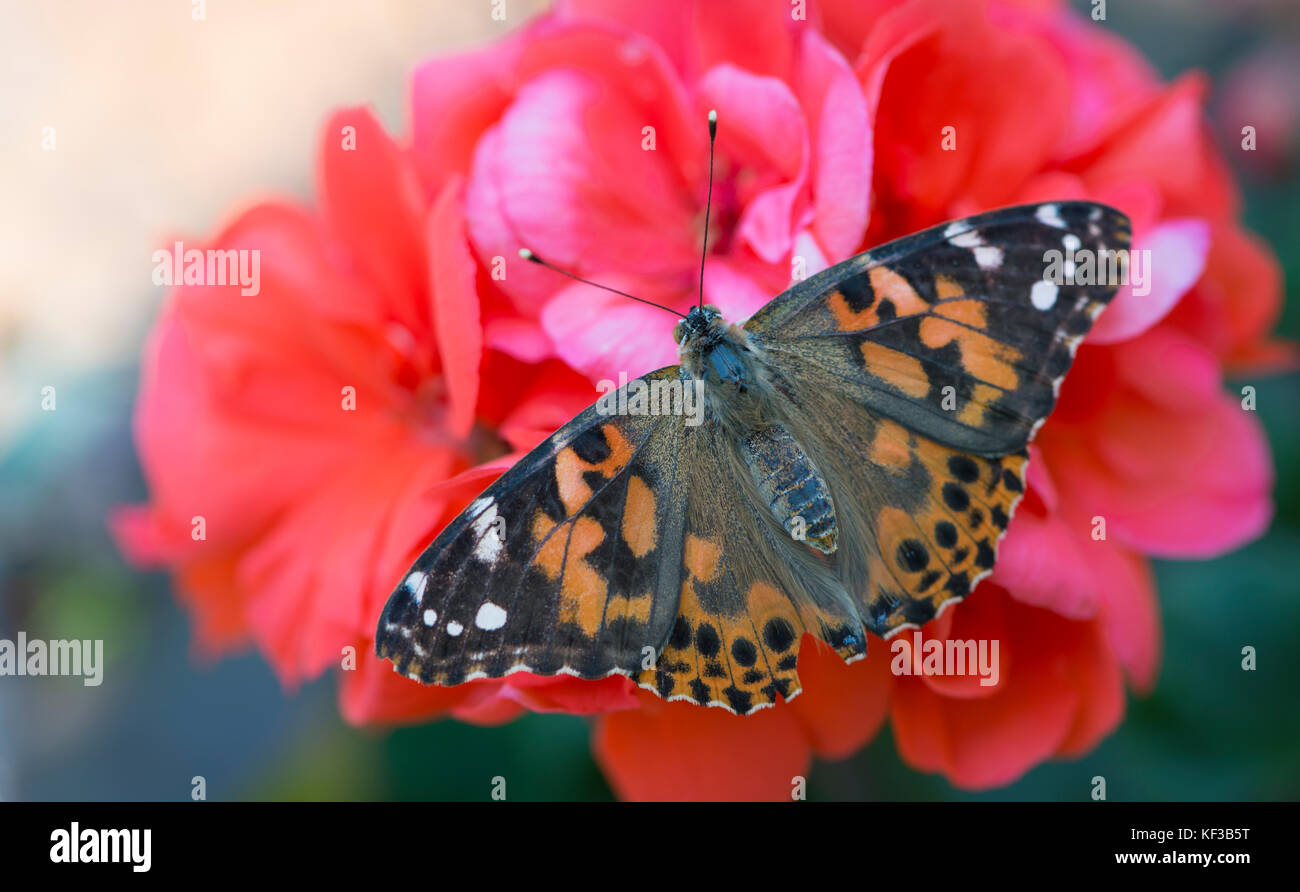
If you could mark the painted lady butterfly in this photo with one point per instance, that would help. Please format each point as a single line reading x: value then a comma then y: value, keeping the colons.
x: 862, y: 450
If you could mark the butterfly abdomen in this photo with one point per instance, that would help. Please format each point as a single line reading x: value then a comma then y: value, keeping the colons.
x: 793, y: 488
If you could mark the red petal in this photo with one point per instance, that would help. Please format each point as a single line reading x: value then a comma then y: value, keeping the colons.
x: 455, y: 306
x: 679, y: 751
x: 841, y: 706
x: 372, y: 199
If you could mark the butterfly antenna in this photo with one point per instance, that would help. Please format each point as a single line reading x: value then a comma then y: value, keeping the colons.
x: 533, y: 258
x: 708, y: 204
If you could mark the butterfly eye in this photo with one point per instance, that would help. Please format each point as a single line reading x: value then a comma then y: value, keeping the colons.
x: 678, y: 329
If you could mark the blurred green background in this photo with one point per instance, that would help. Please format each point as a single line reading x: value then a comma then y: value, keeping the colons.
x: 160, y: 718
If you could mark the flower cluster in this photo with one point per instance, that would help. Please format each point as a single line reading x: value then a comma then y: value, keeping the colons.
x: 399, y: 356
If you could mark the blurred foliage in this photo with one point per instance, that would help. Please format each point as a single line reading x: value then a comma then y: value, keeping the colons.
x: 1208, y: 731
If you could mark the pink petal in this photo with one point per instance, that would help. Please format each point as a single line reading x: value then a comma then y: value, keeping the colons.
x: 1170, y: 369
x: 564, y: 174
x: 1130, y: 614
x: 805, y: 246
x: 977, y: 619
x: 1046, y: 562
x: 992, y: 741
x: 685, y: 752
x: 841, y: 706
x: 309, y: 603
x: 524, y: 339
x: 602, y: 334
x: 661, y: 21
x: 761, y: 127
x: 453, y: 100
x: 842, y: 147
x: 1096, y: 674
x: 209, y: 408
x: 1177, y: 481
x: 1166, y: 143
x: 1178, y: 249
x: 1109, y: 81
x: 729, y: 287
x: 374, y: 693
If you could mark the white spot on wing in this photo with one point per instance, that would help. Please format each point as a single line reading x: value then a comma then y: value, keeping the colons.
x: 490, y: 617
x: 488, y: 547
x: 415, y: 584
x: 988, y: 257
x: 970, y: 239
x: 430, y: 617
x: 1051, y: 215
x: 1043, y: 295
x: 454, y: 628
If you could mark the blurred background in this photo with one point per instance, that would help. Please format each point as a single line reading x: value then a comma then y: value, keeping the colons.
x: 161, y: 123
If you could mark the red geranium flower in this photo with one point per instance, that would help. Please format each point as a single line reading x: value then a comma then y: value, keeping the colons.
x: 580, y: 137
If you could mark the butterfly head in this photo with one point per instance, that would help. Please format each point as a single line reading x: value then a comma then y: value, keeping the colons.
x: 702, y: 324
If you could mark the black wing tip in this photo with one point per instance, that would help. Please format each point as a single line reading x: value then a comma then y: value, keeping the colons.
x: 388, y: 639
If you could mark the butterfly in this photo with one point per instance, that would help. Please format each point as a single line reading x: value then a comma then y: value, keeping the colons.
x: 860, y: 452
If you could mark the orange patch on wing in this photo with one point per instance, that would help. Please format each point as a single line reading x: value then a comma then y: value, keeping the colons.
x: 765, y: 602
x: 639, y: 528
x: 889, y: 285
x: 967, y: 312
x: 889, y: 446
x: 977, y: 407
x: 981, y: 356
x: 702, y: 558
x: 569, y: 468
x: 946, y: 287
x: 582, y: 590
x: 574, y: 491
x: 848, y: 319
x: 903, y: 371
x: 637, y: 608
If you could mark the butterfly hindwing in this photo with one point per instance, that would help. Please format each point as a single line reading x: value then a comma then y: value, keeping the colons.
x: 749, y: 593
x: 919, y: 521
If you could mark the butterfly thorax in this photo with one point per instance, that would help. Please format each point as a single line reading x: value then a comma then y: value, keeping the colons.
x: 713, y: 350
x: 736, y: 390
x: 742, y: 404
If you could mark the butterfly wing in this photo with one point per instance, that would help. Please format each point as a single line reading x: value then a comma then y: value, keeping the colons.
x: 748, y: 592
x: 917, y: 373
x: 954, y: 331
x: 624, y: 544
x: 556, y: 566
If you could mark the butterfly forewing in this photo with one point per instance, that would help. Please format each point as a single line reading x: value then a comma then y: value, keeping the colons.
x: 555, y: 567
x: 955, y: 331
